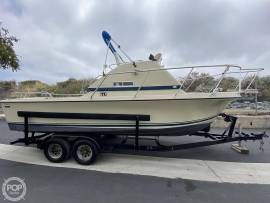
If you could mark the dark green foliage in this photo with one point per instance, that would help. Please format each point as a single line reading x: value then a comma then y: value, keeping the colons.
x: 204, y: 82
x: 7, y: 85
x: 32, y: 86
x: 70, y: 86
x: 8, y: 57
x: 6, y: 88
x: 229, y: 83
x: 263, y: 85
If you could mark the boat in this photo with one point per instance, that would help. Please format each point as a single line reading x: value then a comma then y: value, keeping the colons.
x: 143, y: 87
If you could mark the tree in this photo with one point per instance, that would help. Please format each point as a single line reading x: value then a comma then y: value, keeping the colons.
x: 6, y: 88
x: 8, y: 57
x: 263, y: 85
x: 229, y: 83
x: 32, y: 86
x: 70, y: 86
x: 200, y: 82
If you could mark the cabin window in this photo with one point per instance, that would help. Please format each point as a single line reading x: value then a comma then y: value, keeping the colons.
x: 127, y: 83
x: 121, y: 84
x: 117, y: 84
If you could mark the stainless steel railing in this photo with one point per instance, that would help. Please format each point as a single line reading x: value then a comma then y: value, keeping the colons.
x: 40, y: 94
x: 226, y: 71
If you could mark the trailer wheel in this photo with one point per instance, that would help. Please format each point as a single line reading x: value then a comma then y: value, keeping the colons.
x: 85, y: 151
x: 57, y: 150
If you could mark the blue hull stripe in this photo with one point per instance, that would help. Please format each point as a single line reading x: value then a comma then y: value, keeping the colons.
x: 104, y: 89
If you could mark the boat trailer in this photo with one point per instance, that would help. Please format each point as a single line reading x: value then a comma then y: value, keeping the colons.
x: 74, y: 141
x: 228, y: 135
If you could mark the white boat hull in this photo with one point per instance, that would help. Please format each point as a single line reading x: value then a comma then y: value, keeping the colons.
x: 177, y: 116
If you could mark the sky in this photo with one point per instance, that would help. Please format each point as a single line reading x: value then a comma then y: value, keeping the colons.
x: 61, y: 39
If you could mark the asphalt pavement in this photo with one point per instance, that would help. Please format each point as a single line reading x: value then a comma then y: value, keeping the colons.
x: 49, y: 184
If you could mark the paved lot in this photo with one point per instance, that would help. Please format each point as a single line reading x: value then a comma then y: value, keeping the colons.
x: 52, y: 184
x: 49, y: 184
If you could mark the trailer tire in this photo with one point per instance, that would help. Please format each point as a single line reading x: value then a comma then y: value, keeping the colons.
x: 85, y: 151
x: 57, y: 150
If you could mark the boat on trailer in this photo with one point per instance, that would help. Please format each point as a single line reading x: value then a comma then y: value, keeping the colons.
x: 130, y: 99
x: 133, y: 87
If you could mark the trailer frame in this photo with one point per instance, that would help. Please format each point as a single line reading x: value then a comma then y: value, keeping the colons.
x: 230, y: 134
